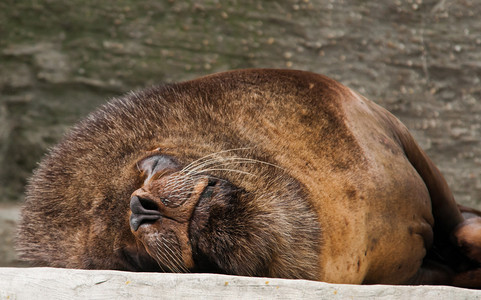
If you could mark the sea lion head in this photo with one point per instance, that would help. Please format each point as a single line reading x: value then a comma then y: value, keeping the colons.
x: 161, y: 210
x: 186, y: 177
x: 193, y: 217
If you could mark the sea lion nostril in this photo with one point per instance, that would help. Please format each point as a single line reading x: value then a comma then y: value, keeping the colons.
x: 148, y: 204
x: 143, y: 210
x: 143, y: 206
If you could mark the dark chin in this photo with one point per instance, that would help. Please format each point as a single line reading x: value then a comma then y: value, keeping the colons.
x: 138, y: 260
x: 200, y: 216
x: 213, y: 212
x: 218, y: 193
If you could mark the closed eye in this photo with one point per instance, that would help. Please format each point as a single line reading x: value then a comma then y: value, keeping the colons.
x: 154, y: 164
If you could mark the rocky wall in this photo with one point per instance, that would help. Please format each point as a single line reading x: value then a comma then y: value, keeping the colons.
x: 421, y: 59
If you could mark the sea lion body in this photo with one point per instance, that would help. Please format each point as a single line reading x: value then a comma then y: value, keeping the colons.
x: 251, y: 172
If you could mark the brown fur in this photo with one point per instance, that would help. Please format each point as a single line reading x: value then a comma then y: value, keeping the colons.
x: 263, y: 173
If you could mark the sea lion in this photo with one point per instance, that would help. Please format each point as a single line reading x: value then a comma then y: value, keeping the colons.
x: 258, y: 172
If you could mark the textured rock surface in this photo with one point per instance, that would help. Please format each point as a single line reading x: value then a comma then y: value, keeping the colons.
x: 80, y: 284
x: 418, y: 58
x: 9, y: 214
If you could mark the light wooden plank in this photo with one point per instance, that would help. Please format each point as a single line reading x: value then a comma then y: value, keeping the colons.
x: 52, y: 283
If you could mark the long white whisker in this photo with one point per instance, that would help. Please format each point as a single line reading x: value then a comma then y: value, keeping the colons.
x: 180, y: 261
x: 157, y: 257
x: 175, y: 263
x: 226, y: 170
x: 212, y: 154
x: 169, y: 261
x: 229, y: 160
x: 180, y: 182
x: 220, y: 160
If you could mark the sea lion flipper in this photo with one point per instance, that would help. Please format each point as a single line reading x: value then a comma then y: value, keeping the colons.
x: 447, y: 215
x: 460, y: 224
x: 468, y: 238
x: 457, y: 221
x: 468, y: 233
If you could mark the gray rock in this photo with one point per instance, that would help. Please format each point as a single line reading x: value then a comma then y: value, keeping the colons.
x: 419, y: 59
x: 9, y: 215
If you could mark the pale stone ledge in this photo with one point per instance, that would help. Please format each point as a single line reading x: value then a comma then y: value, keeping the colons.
x: 51, y: 283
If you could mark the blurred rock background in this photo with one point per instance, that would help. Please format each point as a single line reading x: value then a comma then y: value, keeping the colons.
x: 421, y: 59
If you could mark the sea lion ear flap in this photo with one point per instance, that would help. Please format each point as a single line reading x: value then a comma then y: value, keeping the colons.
x: 156, y: 163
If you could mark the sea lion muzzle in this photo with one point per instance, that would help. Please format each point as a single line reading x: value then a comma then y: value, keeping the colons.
x: 160, y: 213
x: 143, y: 210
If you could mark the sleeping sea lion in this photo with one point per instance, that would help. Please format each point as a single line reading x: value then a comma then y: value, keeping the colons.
x: 259, y: 172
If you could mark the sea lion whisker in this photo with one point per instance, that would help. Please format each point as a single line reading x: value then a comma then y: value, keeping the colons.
x: 177, y: 255
x: 226, y: 170
x: 207, y: 163
x: 182, y: 188
x: 181, y: 179
x: 217, y: 165
x: 229, y: 160
x: 164, y: 256
x: 158, y: 258
x: 163, y: 246
x: 213, y: 163
x: 179, y: 260
x: 176, y: 262
x: 179, y: 176
x: 184, y: 180
x: 252, y: 160
x: 213, y: 159
x: 179, y: 192
x: 215, y: 153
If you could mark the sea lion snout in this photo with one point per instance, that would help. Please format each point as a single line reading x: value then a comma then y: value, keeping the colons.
x: 171, y: 196
x: 143, y: 210
x: 160, y: 212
